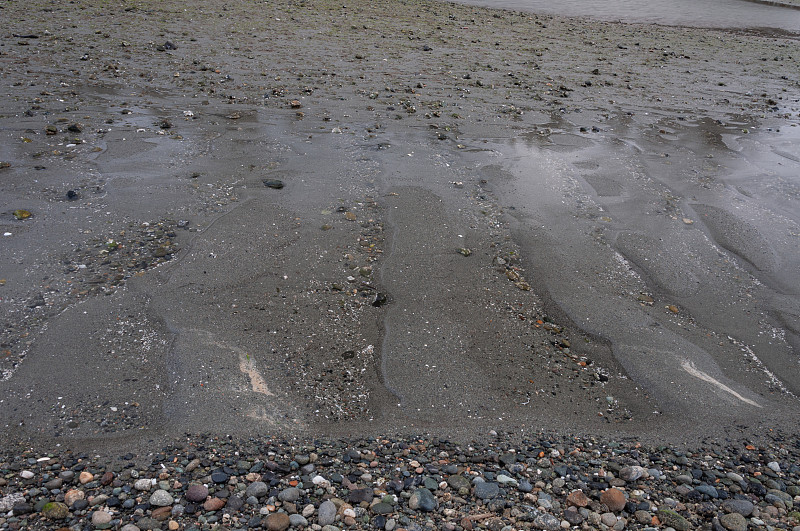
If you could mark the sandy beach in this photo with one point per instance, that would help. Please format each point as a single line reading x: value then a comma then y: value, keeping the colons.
x: 321, y: 218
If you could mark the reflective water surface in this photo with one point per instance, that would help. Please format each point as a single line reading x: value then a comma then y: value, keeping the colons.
x: 704, y: 13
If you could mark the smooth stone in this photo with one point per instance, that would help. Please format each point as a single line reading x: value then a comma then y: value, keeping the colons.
x: 196, y: 493
x: 672, y: 519
x: 100, y: 518
x: 297, y: 520
x: 632, y: 473
x: 614, y: 499
x: 357, y: 496
x: 458, y: 482
x: 423, y: 500
x: 326, y: 514
x: 277, y: 522
x: 608, y: 519
x: 292, y: 494
x: 258, y: 489
x: 161, y: 498
x: 743, y: 507
x: 487, y: 490
x: 708, y: 490
x: 733, y: 522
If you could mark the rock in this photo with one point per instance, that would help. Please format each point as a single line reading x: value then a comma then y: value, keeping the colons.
x: 214, y: 504
x: 72, y: 496
x: 292, y: 494
x: 572, y: 516
x: 275, y: 184
x: 458, y: 482
x: 670, y: 518
x: 743, y: 507
x: 297, y: 520
x: 326, y: 514
x: 130, y: 527
x: 107, y: 478
x: 143, y: 484
x: 258, y: 489
x: 161, y: 498
x: 356, y: 496
x: 147, y: 524
x: 632, y: 473
x: 423, y: 500
x: 101, y: 519
x: 277, y: 522
x: 161, y: 514
x: 382, y: 508
x: 26, y: 474
x: 21, y: 508
x: 614, y: 499
x: 708, y: 490
x: 9, y: 501
x: 486, y: 490
x: 85, y: 477
x: 55, y: 511
x: 577, y: 498
x: 548, y: 522
x: 608, y: 519
x: 197, y: 493
x: 733, y: 522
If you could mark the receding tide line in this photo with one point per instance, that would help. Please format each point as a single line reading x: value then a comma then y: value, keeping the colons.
x: 689, y: 367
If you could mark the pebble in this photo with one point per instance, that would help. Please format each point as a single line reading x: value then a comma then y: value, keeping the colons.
x: 196, y: 493
x: 422, y: 500
x: 257, y: 489
x: 614, y: 499
x: 161, y: 498
x: 277, y: 522
x: 101, y: 519
x: 486, y: 490
x: 733, y: 522
x: 411, y: 485
x: 326, y: 514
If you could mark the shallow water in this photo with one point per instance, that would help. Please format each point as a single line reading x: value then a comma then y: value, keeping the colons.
x: 704, y: 14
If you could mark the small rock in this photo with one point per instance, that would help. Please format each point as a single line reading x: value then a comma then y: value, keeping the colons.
x: 292, y: 494
x: 614, y: 499
x: 487, y: 490
x: 277, y: 522
x: 100, y: 519
x: 743, y: 507
x: 423, y: 500
x: 326, y: 513
x: 214, y: 504
x: 55, y: 511
x: 258, y: 489
x: 275, y: 184
x: 577, y: 498
x: 197, y: 493
x: 26, y: 474
x: 161, y: 498
x: 670, y: 518
x: 733, y: 522
x: 143, y: 484
x: 632, y: 473
x: 548, y: 522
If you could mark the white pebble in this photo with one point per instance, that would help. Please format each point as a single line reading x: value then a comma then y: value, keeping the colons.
x: 26, y: 474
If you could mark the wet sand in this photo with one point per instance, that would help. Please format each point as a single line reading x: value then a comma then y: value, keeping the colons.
x: 489, y: 220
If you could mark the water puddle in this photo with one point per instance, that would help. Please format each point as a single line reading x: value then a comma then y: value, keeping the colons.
x: 678, y: 242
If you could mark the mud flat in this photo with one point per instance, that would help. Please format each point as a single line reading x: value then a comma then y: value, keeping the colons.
x: 393, y: 217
